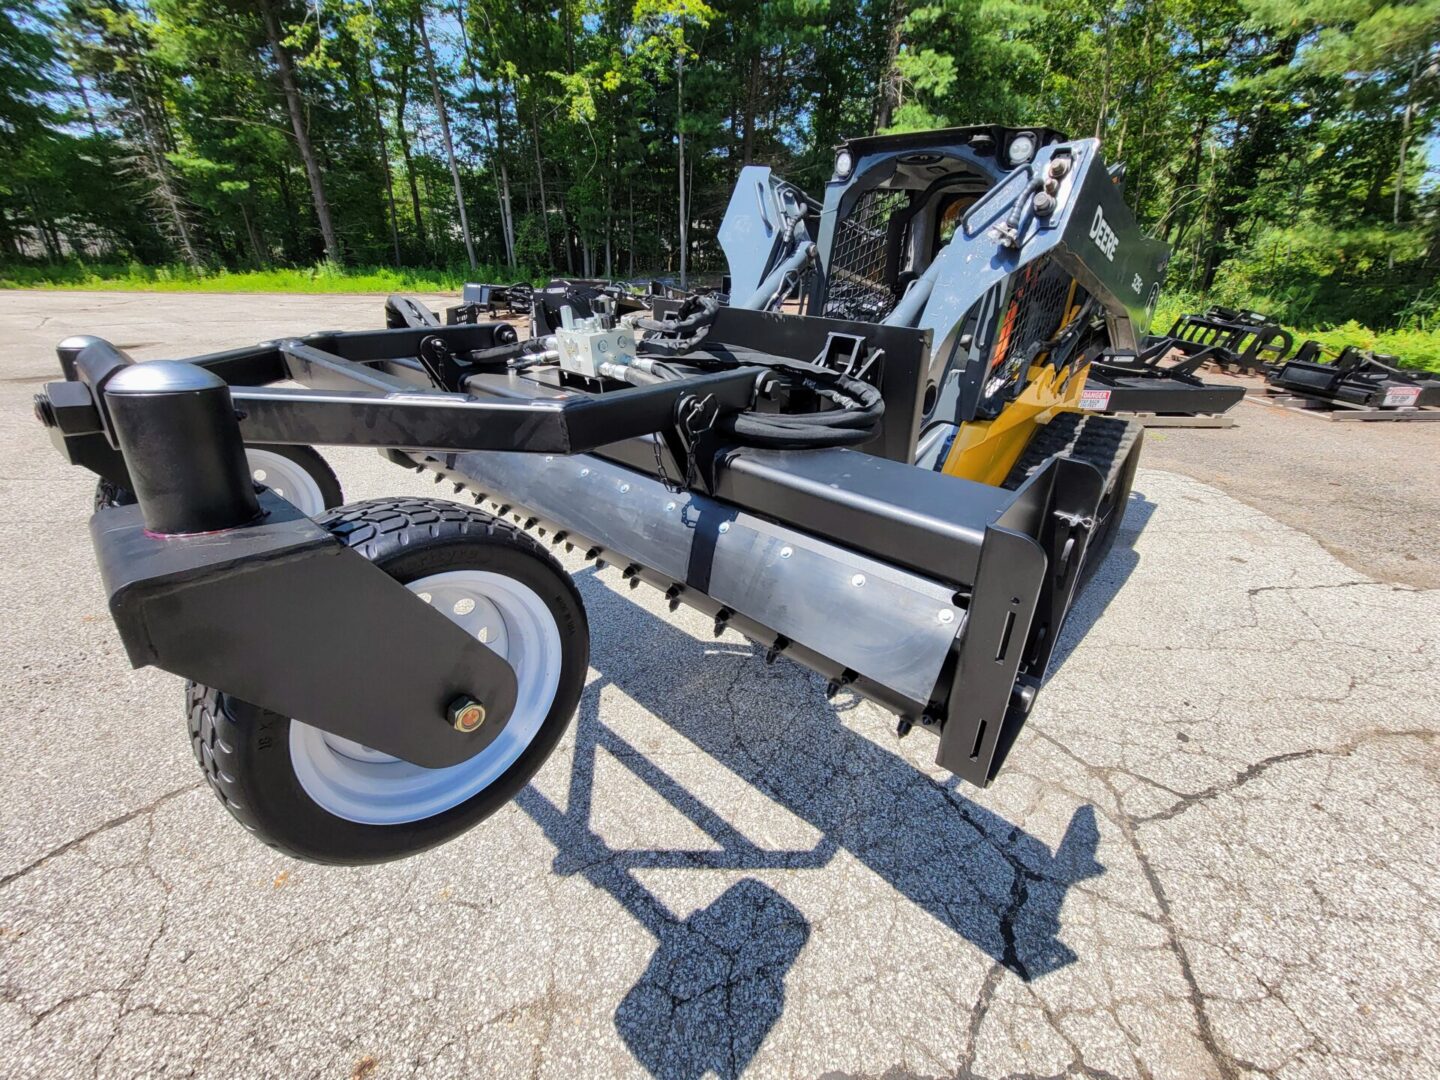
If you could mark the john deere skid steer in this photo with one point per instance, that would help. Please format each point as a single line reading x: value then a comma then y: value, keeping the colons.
x: 870, y: 460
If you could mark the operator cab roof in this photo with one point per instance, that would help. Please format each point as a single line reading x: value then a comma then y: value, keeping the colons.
x: 921, y: 156
x: 982, y: 138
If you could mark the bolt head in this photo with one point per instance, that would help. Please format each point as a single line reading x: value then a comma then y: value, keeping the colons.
x: 946, y: 616
x: 467, y: 715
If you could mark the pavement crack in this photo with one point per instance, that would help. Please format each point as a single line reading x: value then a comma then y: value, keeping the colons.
x: 1257, y: 769
x: 1206, y: 1032
x: 1257, y: 590
x: 1019, y: 894
x: 1240, y: 779
x: 123, y: 819
x: 978, y: 1012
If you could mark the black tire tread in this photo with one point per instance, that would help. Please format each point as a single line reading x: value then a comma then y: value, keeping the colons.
x: 373, y: 528
x: 108, y: 494
x: 213, y: 736
x: 366, y: 527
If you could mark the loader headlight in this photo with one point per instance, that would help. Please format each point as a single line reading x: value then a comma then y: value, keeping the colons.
x: 844, y: 163
x: 1021, y: 148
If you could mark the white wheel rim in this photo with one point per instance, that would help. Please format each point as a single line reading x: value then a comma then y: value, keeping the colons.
x: 363, y: 785
x: 289, y: 479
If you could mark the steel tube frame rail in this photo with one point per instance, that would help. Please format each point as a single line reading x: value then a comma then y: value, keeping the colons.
x: 346, y: 402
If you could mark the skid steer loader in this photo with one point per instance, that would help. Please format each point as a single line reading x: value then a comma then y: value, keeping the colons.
x: 894, y: 487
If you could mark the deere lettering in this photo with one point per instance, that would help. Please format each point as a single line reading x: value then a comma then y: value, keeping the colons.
x: 1104, y: 236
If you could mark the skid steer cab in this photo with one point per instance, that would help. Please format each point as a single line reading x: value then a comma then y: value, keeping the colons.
x: 868, y: 458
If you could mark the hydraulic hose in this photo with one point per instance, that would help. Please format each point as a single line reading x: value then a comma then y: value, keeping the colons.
x: 854, y: 419
x: 696, y: 315
x: 861, y: 407
x: 695, y: 312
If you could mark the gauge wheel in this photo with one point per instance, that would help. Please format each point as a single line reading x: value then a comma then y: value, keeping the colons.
x: 297, y: 473
x: 317, y: 796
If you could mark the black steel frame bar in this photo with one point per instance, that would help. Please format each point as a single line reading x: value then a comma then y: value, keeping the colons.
x: 389, y: 411
x: 403, y: 417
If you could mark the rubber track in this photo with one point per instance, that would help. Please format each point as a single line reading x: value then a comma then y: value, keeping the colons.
x: 1102, y: 441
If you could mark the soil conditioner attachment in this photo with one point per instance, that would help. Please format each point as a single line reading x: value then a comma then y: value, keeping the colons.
x: 868, y: 458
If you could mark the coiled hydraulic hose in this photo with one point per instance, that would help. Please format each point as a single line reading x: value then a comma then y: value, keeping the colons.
x: 683, y: 334
x: 854, y: 419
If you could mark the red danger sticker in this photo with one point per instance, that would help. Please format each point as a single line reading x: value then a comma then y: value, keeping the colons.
x: 1097, y: 400
x: 1401, y: 396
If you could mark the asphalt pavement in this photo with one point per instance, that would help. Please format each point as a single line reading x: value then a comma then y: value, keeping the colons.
x: 1212, y: 853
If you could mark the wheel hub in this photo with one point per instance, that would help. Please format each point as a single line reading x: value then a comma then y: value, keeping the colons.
x: 354, y: 782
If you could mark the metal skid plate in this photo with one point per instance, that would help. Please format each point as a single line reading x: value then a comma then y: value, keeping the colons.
x: 282, y: 615
x: 886, y: 624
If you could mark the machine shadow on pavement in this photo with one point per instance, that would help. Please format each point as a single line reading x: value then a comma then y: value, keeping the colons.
x: 715, y: 985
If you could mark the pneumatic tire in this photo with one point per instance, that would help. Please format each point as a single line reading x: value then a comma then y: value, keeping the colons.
x: 297, y: 473
x: 324, y: 799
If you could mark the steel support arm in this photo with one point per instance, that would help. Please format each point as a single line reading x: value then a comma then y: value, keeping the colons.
x: 270, y: 616
x: 358, y: 405
x: 421, y: 419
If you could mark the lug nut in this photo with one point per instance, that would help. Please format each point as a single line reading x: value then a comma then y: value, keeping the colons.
x: 466, y: 714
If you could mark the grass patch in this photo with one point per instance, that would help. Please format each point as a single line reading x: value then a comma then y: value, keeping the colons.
x: 1416, y: 347
x: 322, y: 278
